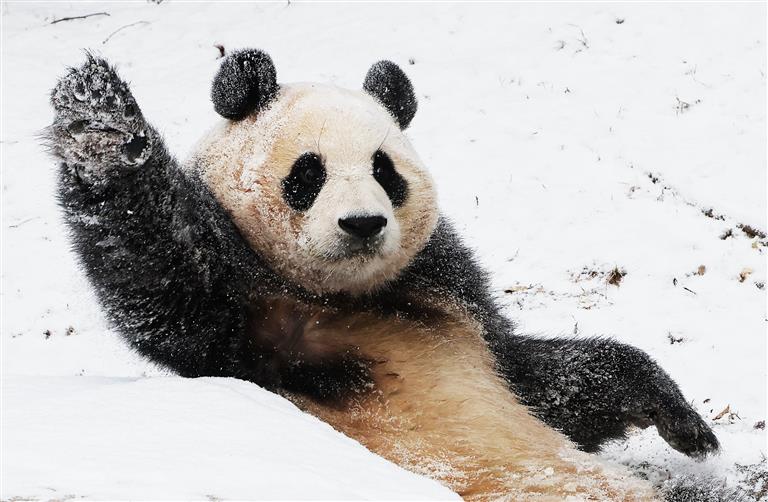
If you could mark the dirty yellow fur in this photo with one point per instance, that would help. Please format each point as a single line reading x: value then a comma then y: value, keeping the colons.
x: 438, y: 408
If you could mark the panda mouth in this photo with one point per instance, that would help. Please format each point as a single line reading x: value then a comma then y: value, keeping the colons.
x: 364, y: 249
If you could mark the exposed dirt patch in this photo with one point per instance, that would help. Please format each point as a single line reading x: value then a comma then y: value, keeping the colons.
x: 615, y: 276
x: 745, y: 273
x: 674, y: 339
x: 751, y: 231
x: 710, y: 213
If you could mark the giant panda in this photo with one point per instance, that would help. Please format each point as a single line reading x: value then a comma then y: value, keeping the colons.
x: 301, y: 248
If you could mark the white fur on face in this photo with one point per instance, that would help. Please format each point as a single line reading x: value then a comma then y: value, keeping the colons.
x: 245, y: 162
x: 348, y: 193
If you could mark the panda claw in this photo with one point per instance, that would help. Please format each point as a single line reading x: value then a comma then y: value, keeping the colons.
x: 97, y: 122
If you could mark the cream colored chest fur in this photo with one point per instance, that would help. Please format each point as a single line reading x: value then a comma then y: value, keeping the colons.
x: 438, y: 408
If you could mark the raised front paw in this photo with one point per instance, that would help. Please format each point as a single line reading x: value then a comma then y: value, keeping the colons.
x: 684, y: 430
x: 98, y: 124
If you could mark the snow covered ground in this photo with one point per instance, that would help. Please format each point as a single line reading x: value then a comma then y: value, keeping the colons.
x: 566, y: 141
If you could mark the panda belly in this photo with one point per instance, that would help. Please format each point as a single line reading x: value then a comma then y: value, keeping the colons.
x: 435, y: 406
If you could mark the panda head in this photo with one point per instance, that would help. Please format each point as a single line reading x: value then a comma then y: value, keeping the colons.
x: 321, y: 181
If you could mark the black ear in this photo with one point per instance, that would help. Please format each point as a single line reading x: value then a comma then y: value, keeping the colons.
x: 387, y: 83
x: 245, y: 82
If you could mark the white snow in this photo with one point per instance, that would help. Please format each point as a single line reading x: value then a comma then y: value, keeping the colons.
x: 169, y: 438
x: 541, y: 125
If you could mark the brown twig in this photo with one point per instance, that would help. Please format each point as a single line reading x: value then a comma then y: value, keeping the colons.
x: 79, y: 17
x: 615, y: 276
x: 722, y: 413
x: 122, y: 28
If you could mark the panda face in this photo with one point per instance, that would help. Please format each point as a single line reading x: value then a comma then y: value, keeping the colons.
x: 324, y: 185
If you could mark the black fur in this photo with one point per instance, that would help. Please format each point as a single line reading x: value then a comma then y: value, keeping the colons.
x: 387, y: 83
x: 386, y: 175
x: 289, y: 359
x: 246, y: 82
x: 596, y: 388
x: 180, y: 284
x: 302, y: 186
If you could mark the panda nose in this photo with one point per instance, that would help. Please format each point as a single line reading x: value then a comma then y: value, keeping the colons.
x: 363, y: 227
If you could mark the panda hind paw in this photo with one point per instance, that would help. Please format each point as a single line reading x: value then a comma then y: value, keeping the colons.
x: 685, y: 430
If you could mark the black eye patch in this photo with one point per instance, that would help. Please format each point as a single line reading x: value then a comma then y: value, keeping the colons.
x: 390, y: 180
x: 301, y: 187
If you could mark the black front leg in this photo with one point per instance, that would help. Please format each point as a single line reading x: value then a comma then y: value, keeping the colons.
x: 594, y: 389
x: 170, y: 269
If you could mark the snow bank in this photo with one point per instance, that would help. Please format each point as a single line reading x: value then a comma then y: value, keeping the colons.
x: 174, y: 438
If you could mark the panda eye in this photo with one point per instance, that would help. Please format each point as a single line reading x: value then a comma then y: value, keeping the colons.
x: 310, y: 173
x: 303, y: 184
x: 390, y: 180
x: 382, y: 165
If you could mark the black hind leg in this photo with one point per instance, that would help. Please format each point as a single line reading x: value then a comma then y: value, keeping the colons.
x: 593, y: 390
